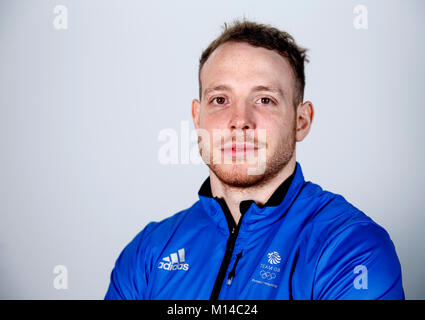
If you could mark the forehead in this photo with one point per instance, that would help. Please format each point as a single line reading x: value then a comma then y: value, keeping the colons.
x: 242, y: 64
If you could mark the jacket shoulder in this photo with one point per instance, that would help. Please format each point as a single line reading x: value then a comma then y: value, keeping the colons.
x: 343, y: 239
x: 332, y: 209
x: 158, y: 233
x: 330, y: 214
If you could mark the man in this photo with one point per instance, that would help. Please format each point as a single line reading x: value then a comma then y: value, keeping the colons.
x: 259, y: 230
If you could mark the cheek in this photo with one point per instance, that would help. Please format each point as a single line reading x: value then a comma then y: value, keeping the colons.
x: 210, y: 122
x: 276, y: 133
x: 271, y: 126
x: 216, y: 127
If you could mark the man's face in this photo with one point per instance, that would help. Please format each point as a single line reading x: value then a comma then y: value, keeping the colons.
x: 247, y: 94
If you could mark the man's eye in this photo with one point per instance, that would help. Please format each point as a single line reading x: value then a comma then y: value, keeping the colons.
x: 219, y: 100
x: 265, y: 100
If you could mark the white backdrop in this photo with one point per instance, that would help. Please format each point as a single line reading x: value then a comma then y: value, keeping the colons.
x: 81, y: 109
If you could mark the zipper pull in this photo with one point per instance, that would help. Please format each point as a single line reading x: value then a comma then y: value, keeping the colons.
x: 233, y: 271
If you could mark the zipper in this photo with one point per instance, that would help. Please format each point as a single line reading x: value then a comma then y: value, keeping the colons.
x: 234, y: 230
x: 233, y: 271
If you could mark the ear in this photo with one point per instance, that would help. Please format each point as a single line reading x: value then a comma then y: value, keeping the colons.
x: 196, y: 111
x: 304, y: 119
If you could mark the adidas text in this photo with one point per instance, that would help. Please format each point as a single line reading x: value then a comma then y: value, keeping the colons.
x: 174, y: 262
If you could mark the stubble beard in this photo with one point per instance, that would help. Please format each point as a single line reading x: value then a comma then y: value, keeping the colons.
x: 237, y: 176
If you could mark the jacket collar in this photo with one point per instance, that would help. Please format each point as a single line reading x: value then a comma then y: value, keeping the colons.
x: 255, y: 215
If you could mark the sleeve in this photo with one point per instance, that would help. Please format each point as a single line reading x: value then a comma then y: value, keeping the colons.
x: 129, y: 276
x: 359, y: 263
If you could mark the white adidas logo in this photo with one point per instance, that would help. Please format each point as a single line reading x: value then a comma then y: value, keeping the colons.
x: 174, y: 262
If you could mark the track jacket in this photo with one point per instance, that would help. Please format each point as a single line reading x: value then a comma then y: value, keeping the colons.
x: 304, y: 243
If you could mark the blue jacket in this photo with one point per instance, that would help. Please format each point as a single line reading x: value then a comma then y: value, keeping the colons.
x: 304, y: 243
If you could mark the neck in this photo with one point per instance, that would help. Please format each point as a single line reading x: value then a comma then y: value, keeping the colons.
x: 259, y: 193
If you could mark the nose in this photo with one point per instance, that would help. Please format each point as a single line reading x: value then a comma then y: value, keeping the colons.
x: 241, y: 118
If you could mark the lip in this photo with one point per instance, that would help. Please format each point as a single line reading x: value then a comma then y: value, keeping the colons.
x: 239, y: 151
x: 239, y: 147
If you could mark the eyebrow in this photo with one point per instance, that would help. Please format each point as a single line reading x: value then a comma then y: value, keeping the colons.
x: 224, y: 87
x: 270, y: 89
x: 221, y: 87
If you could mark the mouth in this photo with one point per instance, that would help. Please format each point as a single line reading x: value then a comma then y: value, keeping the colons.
x: 239, y: 150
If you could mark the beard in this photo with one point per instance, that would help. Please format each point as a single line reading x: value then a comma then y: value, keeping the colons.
x: 238, y: 176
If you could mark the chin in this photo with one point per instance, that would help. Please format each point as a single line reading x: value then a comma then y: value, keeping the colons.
x: 236, y: 175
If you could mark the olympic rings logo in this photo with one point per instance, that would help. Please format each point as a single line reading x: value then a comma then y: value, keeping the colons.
x: 267, y: 275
